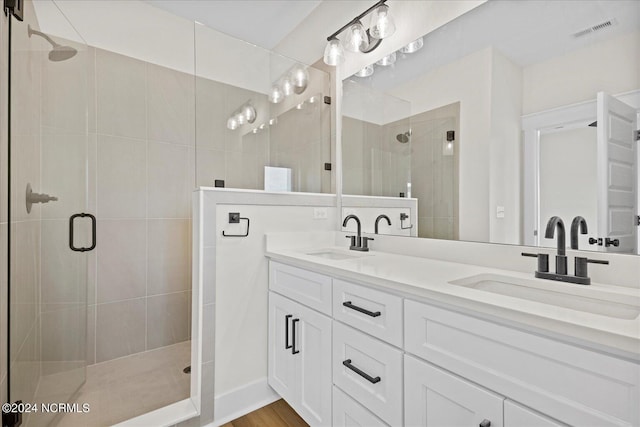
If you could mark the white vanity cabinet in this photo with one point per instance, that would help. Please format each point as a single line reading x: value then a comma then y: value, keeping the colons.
x: 300, y: 358
x: 434, y: 398
x: 366, y: 357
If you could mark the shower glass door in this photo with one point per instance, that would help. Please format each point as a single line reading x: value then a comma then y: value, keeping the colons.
x: 49, y: 159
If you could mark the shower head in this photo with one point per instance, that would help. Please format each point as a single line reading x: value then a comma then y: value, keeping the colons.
x: 59, y: 52
x: 403, y: 137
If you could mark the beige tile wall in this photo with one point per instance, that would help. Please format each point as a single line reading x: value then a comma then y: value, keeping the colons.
x: 143, y: 177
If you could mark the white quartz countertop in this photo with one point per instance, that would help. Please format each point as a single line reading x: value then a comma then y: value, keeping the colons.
x: 428, y: 280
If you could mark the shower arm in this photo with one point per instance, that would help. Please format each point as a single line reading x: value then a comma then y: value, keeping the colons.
x: 41, y: 34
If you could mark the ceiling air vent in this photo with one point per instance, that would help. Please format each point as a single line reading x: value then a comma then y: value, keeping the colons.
x: 599, y: 27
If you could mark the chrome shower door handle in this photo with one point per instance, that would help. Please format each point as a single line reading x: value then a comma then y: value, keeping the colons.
x: 93, y: 232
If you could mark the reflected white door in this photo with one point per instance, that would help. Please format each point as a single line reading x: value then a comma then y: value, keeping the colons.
x: 617, y: 175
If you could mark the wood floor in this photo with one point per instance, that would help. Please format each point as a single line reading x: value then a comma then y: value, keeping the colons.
x: 277, y: 414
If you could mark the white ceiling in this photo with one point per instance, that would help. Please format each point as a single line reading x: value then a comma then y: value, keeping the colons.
x: 525, y: 31
x: 260, y: 22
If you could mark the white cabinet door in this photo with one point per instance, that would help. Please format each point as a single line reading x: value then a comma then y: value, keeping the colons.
x: 349, y: 413
x: 437, y: 398
x: 313, y: 366
x: 300, y: 358
x: 281, y: 360
x: 516, y: 415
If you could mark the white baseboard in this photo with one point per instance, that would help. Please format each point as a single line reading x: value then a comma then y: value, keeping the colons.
x: 242, y: 400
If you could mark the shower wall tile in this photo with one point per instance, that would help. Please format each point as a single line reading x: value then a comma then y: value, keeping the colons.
x: 121, y: 256
x: 121, y: 95
x: 91, y: 334
x: 64, y: 172
x: 211, y: 115
x: 170, y: 103
x: 63, y: 332
x: 64, y: 272
x: 169, y: 256
x: 121, y: 179
x: 168, y: 182
x: 66, y: 92
x: 167, y: 319
x: 25, y: 161
x: 120, y: 329
x: 210, y: 165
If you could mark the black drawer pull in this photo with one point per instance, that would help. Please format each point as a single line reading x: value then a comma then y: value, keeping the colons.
x: 361, y: 310
x: 294, y: 322
x: 286, y: 331
x: 485, y: 423
x: 364, y: 375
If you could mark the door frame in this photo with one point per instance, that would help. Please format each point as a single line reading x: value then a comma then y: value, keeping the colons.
x: 533, y: 127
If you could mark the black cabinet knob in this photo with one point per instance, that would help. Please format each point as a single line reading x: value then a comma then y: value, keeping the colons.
x: 485, y: 423
x: 611, y: 242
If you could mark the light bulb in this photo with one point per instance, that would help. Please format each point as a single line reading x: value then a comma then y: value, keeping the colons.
x: 241, y: 119
x: 249, y: 113
x: 232, y: 123
x: 412, y: 47
x: 276, y: 96
x: 272, y: 122
x: 299, y: 77
x: 255, y: 130
x: 383, y: 25
x: 299, y: 106
x: 365, y: 72
x: 356, y: 38
x: 262, y: 126
x: 333, y: 53
x: 312, y: 100
x: 287, y: 86
x: 387, y: 60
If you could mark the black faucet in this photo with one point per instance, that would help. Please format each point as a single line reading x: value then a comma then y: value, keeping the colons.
x: 577, y: 223
x: 358, y: 243
x: 561, y: 257
x: 580, y: 277
x: 383, y: 216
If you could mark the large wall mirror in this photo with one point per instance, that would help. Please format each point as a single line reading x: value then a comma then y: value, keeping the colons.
x: 510, y: 114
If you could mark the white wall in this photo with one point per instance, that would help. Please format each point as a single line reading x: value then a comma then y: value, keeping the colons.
x: 611, y: 66
x: 505, y: 168
x: 568, y: 182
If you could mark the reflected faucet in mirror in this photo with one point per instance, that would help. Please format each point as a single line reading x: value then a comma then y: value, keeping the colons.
x: 577, y: 223
x: 383, y: 216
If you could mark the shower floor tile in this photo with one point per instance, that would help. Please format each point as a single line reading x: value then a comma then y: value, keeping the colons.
x: 130, y: 386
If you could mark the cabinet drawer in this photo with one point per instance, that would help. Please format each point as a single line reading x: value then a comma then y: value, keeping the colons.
x: 436, y: 398
x: 568, y: 383
x: 349, y: 413
x: 374, y: 312
x: 373, y: 376
x: 306, y: 287
x: 517, y: 415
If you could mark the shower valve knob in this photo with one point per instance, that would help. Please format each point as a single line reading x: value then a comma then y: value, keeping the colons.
x: 37, y: 198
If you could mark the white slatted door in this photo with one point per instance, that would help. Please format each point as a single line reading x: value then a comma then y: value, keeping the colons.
x: 617, y: 174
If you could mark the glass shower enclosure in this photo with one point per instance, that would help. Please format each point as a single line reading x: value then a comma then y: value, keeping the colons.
x: 50, y: 228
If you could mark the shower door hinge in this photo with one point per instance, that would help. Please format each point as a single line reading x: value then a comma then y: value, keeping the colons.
x: 11, y: 419
x: 15, y: 7
x: 327, y: 166
x: 327, y: 100
x: 638, y: 135
x: 638, y: 220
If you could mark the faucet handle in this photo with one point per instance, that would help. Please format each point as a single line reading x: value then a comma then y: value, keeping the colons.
x: 353, y: 240
x: 581, y: 266
x: 365, y: 243
x: 543, y: 261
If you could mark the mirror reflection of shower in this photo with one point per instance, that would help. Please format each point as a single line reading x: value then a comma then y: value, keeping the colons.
x: 404, y: 137
x: 59, y: 52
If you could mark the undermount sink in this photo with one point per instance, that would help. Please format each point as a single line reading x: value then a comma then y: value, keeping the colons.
x: 588, y: 300
x: 335, y: 255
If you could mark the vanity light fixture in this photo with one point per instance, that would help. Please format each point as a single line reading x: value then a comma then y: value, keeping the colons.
x: 390, y: 59
x: 413, y: 47
x: 387, y: 60
x: 245, y: 114
x: 295, y: 80
x: 357, y: 38
x: 365, y: 72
